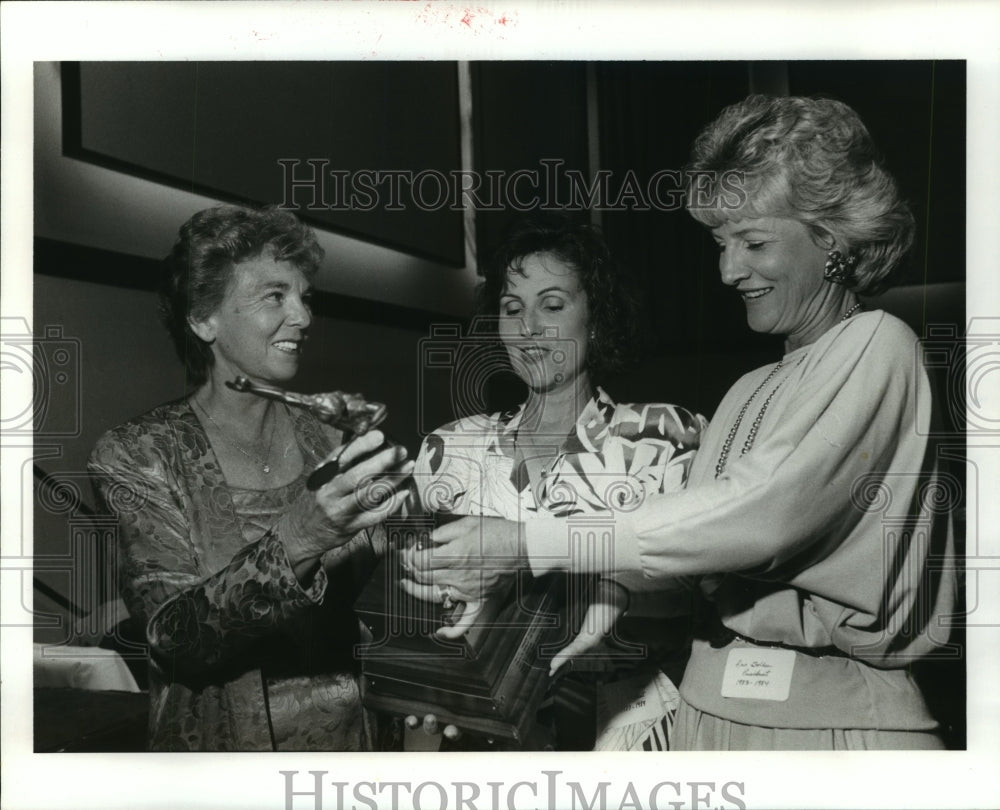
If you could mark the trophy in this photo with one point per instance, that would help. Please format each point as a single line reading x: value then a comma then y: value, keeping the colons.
x: 492, y: 679
x: 350, y: 413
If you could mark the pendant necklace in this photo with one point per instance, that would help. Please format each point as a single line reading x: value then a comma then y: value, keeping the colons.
x: 264, y: 463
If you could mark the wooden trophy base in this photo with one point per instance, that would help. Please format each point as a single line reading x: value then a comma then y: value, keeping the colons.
x: 491, y: 681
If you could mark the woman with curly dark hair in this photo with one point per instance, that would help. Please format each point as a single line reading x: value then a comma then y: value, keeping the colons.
x: 241, y: 576
x: 565, y: 317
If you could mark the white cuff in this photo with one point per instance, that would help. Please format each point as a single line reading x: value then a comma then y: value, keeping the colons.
x: 598, y: 544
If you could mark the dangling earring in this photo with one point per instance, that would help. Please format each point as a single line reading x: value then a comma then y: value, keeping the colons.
x: 839, y: 269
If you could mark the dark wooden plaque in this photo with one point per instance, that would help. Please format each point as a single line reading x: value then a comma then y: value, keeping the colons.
x: 493, y: 679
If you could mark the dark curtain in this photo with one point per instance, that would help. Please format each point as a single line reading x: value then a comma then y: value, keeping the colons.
x: 695, y: 334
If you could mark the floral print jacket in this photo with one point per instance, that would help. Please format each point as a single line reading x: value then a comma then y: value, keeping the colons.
x: 241, y: 656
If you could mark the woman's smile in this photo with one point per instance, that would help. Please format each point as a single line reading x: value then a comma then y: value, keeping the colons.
x: 752, y: 295
x: 289, y: 346
x: 776, y: 267
x: 534, y: 351
x: 259, y: 330
x: 543, y: 323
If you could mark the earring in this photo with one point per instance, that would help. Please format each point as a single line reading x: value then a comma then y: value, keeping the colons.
x: 839, y: 269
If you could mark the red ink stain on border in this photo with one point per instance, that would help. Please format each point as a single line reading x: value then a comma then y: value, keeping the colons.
x: 477, y: 19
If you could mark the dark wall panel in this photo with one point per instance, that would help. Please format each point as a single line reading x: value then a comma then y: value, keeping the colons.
x: 525, y: 113
x: 223, y: 127
x: 650, y: 113
x: 915, y: 112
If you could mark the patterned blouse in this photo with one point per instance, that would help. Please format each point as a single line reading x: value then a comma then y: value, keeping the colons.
x: 616, y: 455
x: 242, y: 658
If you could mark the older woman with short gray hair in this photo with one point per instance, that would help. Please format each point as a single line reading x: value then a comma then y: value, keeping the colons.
x: 243, y: 577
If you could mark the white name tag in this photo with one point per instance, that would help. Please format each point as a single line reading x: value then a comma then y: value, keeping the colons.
x: 758, y: 672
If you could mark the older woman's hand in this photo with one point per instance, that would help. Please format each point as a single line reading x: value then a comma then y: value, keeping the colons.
x: 368, y: 492
x: 468, y: 560
x: 360, y: 496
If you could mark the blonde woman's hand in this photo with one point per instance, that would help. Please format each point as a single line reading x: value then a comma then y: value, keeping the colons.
x: 609, y: 604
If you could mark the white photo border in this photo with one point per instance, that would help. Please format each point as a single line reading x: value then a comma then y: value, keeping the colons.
x: 504, y: 30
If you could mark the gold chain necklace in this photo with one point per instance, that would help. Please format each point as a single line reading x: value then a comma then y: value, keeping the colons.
x: 265, y: 463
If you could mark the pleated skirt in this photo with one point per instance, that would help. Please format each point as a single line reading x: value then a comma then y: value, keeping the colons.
x: 695, y: 730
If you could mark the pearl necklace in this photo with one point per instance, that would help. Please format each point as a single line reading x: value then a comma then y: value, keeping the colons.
x: 851, y: 311
x: 728, y: 444
x: 265, y: 465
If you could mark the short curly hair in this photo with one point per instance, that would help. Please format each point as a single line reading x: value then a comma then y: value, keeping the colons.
x: 808, y: 159
x: 611, y: 301
x: 199, y: 269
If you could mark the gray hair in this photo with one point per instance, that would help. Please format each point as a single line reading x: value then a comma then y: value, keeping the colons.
x: 198, y: 271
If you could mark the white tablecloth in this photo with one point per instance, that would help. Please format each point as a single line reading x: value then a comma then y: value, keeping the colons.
x: 81, y: 668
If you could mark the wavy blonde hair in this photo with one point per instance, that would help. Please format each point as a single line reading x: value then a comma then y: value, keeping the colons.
x: 808, y: 159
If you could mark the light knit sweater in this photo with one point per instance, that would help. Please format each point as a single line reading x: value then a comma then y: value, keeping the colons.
x: 829, y: 532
